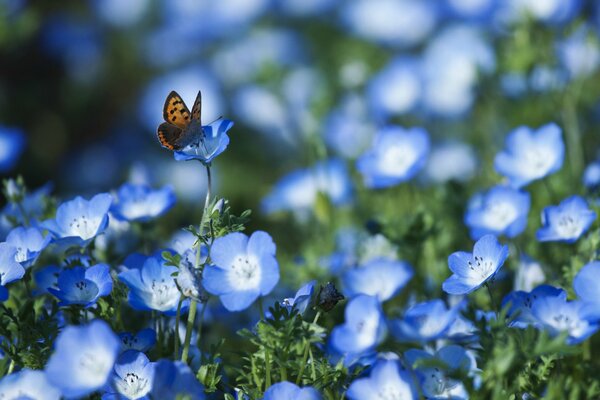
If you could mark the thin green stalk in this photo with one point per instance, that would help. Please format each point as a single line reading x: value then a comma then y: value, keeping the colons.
x: 177, y: 322
x: 200, y: 323
x: 188, y: 331
x: 303, y: 364
x: 11, y: 367
x: 492, y: 302
x: 312, y: 365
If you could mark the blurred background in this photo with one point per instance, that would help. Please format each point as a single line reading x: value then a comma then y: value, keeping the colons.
x: 82, y: 84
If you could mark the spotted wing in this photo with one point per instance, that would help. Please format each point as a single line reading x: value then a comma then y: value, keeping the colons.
x: 197, y: 108
x: 175, y: 111
x: 168, y: 136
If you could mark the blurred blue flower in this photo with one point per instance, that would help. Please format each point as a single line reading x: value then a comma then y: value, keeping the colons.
x: 529, y: 274
x: 531, y: 154
x: 545, y: 78
x: 380, y: 277
x: 424, y: 322
x: 28, y: 384
x: 451, y: 161
x: 472, y: 10
x: 387, y: 380
x: 29, y: 243
x: 550, y: 12
x: 132, y: 377
x: 587, y: 286
x: 391, y: 22
x: 31, y: 207
x: 591, y: 176
x: 305, y: 8
x: 347, y: 129
x: 142, y: 203
x: 397, y: 154
x: 396, y: 89
x: 83, y: 286
x: 210, y: 144
x: 152, y: 287
x: 557, y: 315
x: 119, y: 13
x: 45, y: 278
x: 579, y: 53
x: 472, y: 270
x: 83, y: 358
x: 173, y: 379
x: 142, y: 341
x: 244, y: 269
x: 520, y: 303
x: 566, y: 222
x: 10, y: 269
x: 364, y: 327
x: 12, y: 144
x: 301, y: 299
x: 289, y: 391
x: 298, y: 190
x: 79, y: 221
x: 500, y: 210
x: 436, y: 381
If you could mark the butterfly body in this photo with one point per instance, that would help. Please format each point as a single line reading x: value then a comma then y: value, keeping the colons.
x: 181, y: 128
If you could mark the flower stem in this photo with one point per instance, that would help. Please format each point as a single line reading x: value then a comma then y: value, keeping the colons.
x: 492, y: 302
x: 204, y: 304
x: 188, y: 331
x: 177, y: 321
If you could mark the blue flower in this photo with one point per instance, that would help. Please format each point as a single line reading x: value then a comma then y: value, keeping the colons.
x: 213, y: 142
x: 587, y: 286
x: 520, y: 303
x: 289, y: 391
x: 78, y: 221
x: 46, y: 278
x: 500, y: 211
x: 529, y: 274
x: 298, y: 190
x: 12, y: 144
x: 142, y: 341
x: 133, y: 375
x: 379, y: 277
x: 388, y: 379
x: 83, y: 286
x: 436, y: 380
x: 31, y: 207
x: 566, y: 222
x: 363, y: 329
x: 244, y: 269
x: 141, y: 202
x: 10, y: 269
x: 302, y: 298
x: 174, y: 379
x: 451, y: 161
x: 83, y: 358
x: 531, y: 154
x: 397, y: 154
x: 579, y: 53
x: 152, y: 287
x: 424, y: 322
x: 29, y: 243
x: 557, y: 315
x: 591, y: 176
x: 28, y: 384
x: 471, y: 270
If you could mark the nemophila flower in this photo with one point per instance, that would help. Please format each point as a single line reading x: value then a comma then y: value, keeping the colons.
x: 83, y: 286
x: 243, y: 269
x: 435, y: 371
x: 28, y: 384
x: 396, y: 155
x: 424, y: 322
x: 520, y: 303
x: 298, y: 191
x: 83, y: 358
x: 152, y: 287
x: 211, y: 143
x: 587, y: 286
x: 289, y: 391
x: 451, y: 161
x: 31, y: 207
x: 531, y: 154
x: 12, y: 144
x: 471, y: 270
x: 189, y: 279
x: 302, y: 298
x: 566, y: 222
x: 45, y: 278
x: 10, y: 269
x: 132, y: 377
x: 78, y: 221
x: 363, y: 329
x: 142, y: 341
x: 501, y: 210
x: 557, y: 315
x: 347, y: 129
x: 173, y: 379
x: 579, y: 53
x: 387, y: 380
x: 29, y: 243
x: 591, y: 176
x: 380, y: 277
x: 529, y: 274
x: 141, y: 202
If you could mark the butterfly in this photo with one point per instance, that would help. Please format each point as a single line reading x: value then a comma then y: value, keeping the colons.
x: 181, y: 128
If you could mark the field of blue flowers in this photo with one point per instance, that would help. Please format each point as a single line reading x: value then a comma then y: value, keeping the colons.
x: 378, y: 199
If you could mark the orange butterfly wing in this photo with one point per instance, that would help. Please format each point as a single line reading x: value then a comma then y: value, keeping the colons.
x: 197, y: 108
x: 168, y: 135
x: 175, y: 111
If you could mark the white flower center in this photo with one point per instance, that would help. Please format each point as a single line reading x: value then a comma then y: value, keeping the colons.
x: 437, y: 384
x: 83, y: 227
x: 93, y: 369
x: 390, y: 392
x: 499, y: 215
x: 538, y: 161
x: 84, y: 291
x: 568, y: 226
x: 396, y: 160
x: 164, y: 294
x: 132, y: 385
x: 481, y: 267
x: 245, y: 272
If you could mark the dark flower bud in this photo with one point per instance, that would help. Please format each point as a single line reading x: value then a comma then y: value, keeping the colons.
x: 328, y: 297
